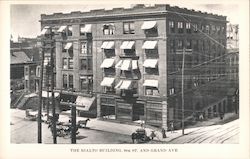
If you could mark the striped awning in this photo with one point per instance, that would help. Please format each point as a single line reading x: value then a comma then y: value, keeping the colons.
x: 151, y: 83
x: 107, y: 63
x: 127, y: 45
x: 62, y: 28
x: 149, y: 45
x: 107, y: 81
x: 150, y: 63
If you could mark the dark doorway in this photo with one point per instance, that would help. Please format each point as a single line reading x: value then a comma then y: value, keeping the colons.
x: 138, y: 111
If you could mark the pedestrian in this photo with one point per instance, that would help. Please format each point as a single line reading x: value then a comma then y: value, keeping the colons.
x: 172, y: 127
x: 152, y: 135
x: 221, y: 116
x: 201, y: 117
x: 163, y: 133
x: 133, y: 137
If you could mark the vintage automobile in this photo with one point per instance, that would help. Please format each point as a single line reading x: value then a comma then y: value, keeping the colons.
x: 140, y: 136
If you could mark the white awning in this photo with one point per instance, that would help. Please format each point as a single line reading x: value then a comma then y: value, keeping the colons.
x: 108, y: 45
x: 84, y: 103
x: 107, y: 63
x: 118, y: 65
x: 134, y: 64
x: 104, y: 44
x: 148, y: 25
x: 107, y: 81
x: 126, y: 84
x: 127, y: 45
x: 45, y: 29
x: 149, y: 45
x: 126, y: 65
x: 62, y: 28
x: 151, y: 83
x: 118, y: 85
x: 151, y: 63
x: 44, y: 94
x: 86, y: 28
x: 68, y: 46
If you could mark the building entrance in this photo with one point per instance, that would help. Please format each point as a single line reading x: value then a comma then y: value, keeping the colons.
x: 138, y: 111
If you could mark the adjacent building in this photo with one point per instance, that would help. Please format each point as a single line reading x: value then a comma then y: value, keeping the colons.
x: 125, y: 64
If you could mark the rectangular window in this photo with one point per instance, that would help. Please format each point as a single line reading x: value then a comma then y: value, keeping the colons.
x: 151, y: 91
x: 84, y: 48
x: 81, y: 30
x: 180, y: 27
x: 179, y: 44
x: 86, y: 83
x: 71, y: 81
x: 71, y: 64
x: 65, y: 81
x: 196, y: 45
x: 63, y: 47
x: 188, y: 28
x: 83, y: 64
x: 189, y: 44
x: 172, y: 45
x: 171, y: 26
x: 207, y: 29
x: 65, y: 63
x: 69, y: 32
x: 171, y: 91
x: 108, y: 29
x: 128, y: 28
x: 195, y: 28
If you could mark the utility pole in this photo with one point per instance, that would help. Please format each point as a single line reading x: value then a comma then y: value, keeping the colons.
x: 52, y: 85
x: 73, y: 124
x: 39, y: 120
x: 182, y: 89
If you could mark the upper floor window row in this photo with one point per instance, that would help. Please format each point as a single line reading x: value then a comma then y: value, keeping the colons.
x: 194, y: 27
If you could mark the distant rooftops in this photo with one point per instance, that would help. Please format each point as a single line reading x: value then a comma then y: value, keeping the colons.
x: 136, y: 9
x: 19, y: 57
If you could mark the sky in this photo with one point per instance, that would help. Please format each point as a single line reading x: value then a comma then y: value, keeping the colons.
x: 24, y: 18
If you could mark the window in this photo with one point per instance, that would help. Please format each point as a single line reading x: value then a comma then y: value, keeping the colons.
x: 180, y: 27
x: 84, y: 48
x: 213, y: 29
x: 86, y: 63
x: 71, y: 82
x: 69, y: 32
x: 38, y: 71
x: 65, y: 81
x: 108, y: 29
x: 83, y: 64
x: 189, y: 44
x: 207, y: 29
x: 172, y: 45
x: 70, y: 63
x: 86, y: 83
x: 171, y: 91
x: 128, y: 28
x: 196, y: 45
x: 188, y: 28
x: 218, y: 29
x: 151, y: 91
x: 179, y: 44
x: 195, y: 28
x: 171, y: 26
x: 26, y: 71
x: 65, y: 63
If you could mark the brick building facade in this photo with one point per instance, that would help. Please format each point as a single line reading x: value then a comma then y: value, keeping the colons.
x: 126, y: 63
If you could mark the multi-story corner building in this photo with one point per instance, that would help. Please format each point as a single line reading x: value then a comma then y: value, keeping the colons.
x: 127, y: 62
x: 232, y: 36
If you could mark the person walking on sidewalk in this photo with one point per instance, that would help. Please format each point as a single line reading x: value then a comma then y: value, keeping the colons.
x: 163, y: 131
x: 172, y: 126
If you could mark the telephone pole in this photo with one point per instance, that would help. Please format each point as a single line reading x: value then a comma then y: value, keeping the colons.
x: 39, y: 120
x: 73, y: 124
x: 182, y: 89
x: 52, y: 84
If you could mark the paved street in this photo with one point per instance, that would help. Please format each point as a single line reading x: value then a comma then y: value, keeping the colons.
x: 105, y: 132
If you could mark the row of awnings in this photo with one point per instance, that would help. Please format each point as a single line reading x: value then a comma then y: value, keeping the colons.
x: 126, y: 84
x: 126, y: 65
x: 125, y: 45
x: 87, y: 27
x: 129, y: 45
